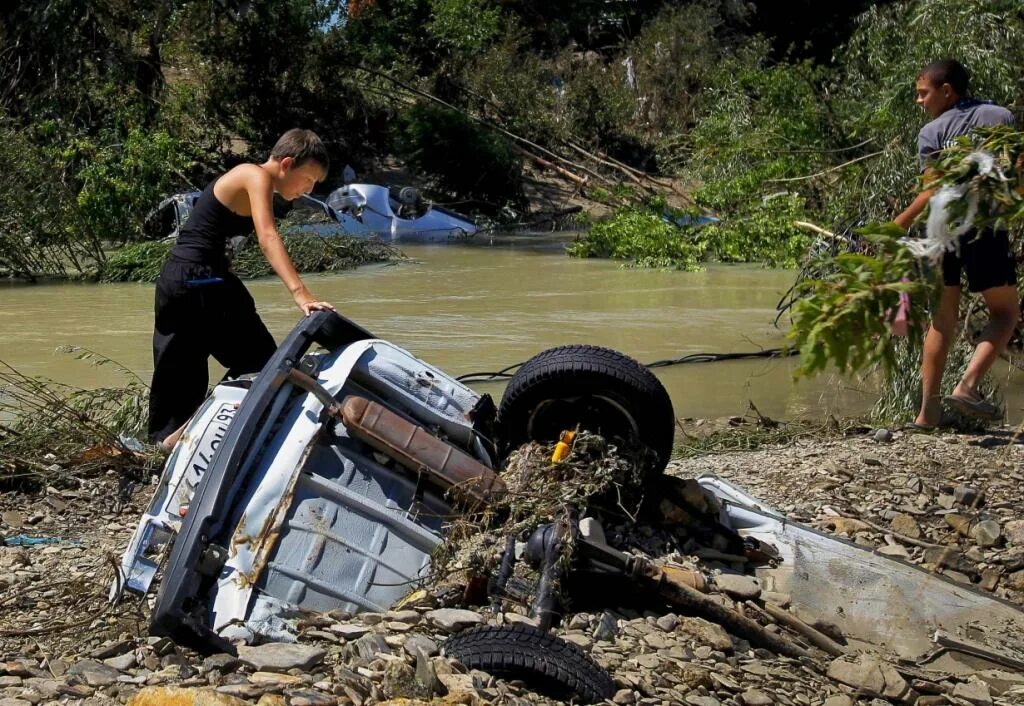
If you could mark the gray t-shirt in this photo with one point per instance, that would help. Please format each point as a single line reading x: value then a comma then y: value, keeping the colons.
x: 959, y: 120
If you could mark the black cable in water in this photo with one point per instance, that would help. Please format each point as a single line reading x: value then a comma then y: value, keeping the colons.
x: 506, y: 373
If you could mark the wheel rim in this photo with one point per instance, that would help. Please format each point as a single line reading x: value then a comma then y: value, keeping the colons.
x: 595, y: 413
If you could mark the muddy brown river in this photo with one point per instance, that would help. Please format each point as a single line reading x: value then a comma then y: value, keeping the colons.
x: 482, y: 307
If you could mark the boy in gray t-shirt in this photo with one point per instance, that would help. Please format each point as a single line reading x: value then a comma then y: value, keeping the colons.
x: 966, y: 114
x: 985, y: 257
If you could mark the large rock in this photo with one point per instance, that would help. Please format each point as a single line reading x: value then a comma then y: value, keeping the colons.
x: 280, y: 657
x: 870, y: 676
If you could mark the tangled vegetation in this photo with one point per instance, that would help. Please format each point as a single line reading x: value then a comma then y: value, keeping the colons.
x: 51, y: 432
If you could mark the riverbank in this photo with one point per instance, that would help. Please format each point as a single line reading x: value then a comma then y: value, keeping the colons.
x: 60, y: 639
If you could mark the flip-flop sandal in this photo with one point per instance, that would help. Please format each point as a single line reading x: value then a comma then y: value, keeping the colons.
x: 982, y: 409
x: 920, y: 428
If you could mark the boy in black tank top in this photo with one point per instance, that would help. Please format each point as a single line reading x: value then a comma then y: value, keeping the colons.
x: 202, y: 309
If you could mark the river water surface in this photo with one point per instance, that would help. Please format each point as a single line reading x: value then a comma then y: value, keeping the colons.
x: 482, y: 307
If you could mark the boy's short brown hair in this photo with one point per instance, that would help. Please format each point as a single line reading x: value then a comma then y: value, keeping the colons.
x: 948, y: 71
x: 302, y: 146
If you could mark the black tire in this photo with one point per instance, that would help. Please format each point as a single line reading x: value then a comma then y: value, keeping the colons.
x: 601, y: 390
x: 545, y: 663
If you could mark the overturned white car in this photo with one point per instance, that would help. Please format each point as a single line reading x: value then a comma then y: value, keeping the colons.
x: 326, y: 481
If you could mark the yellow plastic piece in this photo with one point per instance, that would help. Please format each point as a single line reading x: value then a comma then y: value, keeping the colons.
x: 564, y: 446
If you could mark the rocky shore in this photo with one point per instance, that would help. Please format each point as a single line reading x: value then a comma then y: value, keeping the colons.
x: 948, y: 502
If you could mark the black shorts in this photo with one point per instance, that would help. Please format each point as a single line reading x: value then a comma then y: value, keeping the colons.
x: 986, y: 258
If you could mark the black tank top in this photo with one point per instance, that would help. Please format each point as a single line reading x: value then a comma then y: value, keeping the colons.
x: 204, y: 237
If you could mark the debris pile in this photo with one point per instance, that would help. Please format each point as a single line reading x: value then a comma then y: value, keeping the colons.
x: 949, y: 503
x: 60, y: 640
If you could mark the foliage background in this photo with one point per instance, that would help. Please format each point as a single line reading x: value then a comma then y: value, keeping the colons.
x: 761, y: 112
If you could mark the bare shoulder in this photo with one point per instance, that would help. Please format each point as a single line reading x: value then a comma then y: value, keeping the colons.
x: 235, y: 187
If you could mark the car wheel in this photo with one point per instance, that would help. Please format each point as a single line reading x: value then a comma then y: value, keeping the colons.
x: 543, y: 662
x: 597, y: 389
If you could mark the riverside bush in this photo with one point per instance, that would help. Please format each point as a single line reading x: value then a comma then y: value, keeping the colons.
x: 141, y: 262
x: 642, y: 236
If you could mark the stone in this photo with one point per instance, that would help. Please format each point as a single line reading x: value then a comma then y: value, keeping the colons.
x: 697, y: 700
x: 13, y: 519
x: 369, y: 646
x: 756, y: 697
x: 782, y: 600
x: 420, y: 643
x: 693, y: 677
x: 950, y: 558
x: 624, y: 696
x: 725, y: 682
x: 654, y: 640
x: 400, y: 682
x: 870, y: 676
x: 274, y: 678
x: 454, y: 619
x: 426, y: 675
x: 959, y: 522
x: 667, y: 622
x: 607, y: 627
x: 1014, y: 532
x: 706, y: 633
x: 122, y: 663
x: 968, y: 496
x: 160, y: 645
x: 882, y: 436
x: 112, y: 649
x: 945, y: 501
x: 280, y: 656
x: 738, y: 586
x: 838, y: 700
x: 906, y: 525
x: 974, y: 691
x: 990, y: 578
x: 94, y: 673
x: 349, y: 631
x: 310, y: 698
x: 986, y: 533
x: 519, y: 618
x: 846, y: 525
x: 1015, y: 580
x: 185, y: 697
x: 410, y: 617
x: 894, y: 550
x: 221, y: 662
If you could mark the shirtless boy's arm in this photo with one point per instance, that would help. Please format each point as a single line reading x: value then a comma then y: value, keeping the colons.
x: 258, y: 186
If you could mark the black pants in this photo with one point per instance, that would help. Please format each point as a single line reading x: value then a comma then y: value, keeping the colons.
x: 201, y: 310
